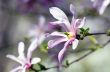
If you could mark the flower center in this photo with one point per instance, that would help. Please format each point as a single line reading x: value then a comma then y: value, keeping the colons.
x: 70, y: 35
x: 27, y: 65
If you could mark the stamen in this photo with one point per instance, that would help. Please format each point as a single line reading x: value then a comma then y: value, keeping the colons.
x: 69, y: 35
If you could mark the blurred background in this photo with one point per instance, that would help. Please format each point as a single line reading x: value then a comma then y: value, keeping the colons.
x: 17, y: 18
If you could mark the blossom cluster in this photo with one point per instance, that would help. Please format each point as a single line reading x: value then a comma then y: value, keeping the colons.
x: 67, y: 36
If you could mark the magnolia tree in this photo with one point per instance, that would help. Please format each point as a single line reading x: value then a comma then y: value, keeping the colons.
x: 60, y: 35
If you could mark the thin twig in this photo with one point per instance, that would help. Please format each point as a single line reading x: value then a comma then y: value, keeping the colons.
x: 96, y: 33
x: 80, y: 58
x: 90, y: 52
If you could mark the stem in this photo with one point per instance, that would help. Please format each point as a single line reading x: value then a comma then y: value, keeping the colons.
x: 90, y: 52
x: 82, y: 57
x: 95, y: 34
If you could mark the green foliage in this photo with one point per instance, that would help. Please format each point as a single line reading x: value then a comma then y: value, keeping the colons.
x: 42, y: 67
x: 66, y: 33
x: 38, y: 67
x: 83, y: 33
x: 43, y: 47
x: 95, y: 47
x: 108, y: 32
x: 93, y: 39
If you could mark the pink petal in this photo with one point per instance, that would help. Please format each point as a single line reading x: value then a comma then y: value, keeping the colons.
x: 61, y: 53
x: 74, y: 25
x: 75, y: 44
x: 55, y: 42
x: 78, y: 23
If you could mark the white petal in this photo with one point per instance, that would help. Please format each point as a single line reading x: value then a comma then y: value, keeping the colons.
x: 41, y: 39
x: 56, y: 22
x: 75, y: 44
x: 24, y: 69
x: 31, y: 48
x: 82, y: 23
x: 33, y: 31
x: 57, y: 34
x: 35, y: 60
x: 41, y: 21
x: 16, y: 69
x: 72, y: 9
x: 14, y: 58
x: 93, y: 0
x: 21, y: 50
x: 103, y: 7
x: 58, y: 13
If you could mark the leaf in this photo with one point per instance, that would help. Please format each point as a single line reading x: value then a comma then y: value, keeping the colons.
x: 43, y: 47
x: 108, y: 32
x: 42, y: 67
x: 93, y: 40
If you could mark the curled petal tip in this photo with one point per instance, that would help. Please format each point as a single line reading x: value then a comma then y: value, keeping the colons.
x: 35, y: 60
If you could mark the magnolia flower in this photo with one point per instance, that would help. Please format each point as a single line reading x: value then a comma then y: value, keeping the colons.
x: 69, y: 37
x: 38, y: 31
x: 25, y: 61
x: 100, y: 5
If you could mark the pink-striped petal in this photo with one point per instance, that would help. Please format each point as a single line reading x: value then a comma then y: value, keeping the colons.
x: 61, y: 53
x: 78, y: 23
x: 53, y: 43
